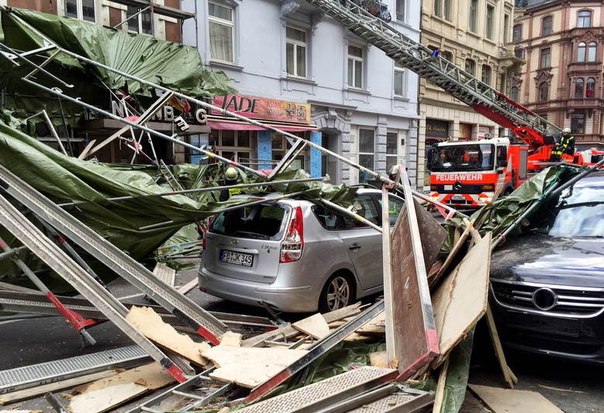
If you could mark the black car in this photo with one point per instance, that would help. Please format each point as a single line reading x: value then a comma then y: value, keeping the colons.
x: 547, y: 284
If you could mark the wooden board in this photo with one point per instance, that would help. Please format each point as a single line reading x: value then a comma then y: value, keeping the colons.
x: 461, y: 299
x: 250, y: 366
x: 315, y: 326
x: 152, y: 376
x: 150, y: 324
x: 412, y: 319
x: 514, y: 401
x: 103, y: 400
x: 432, y: 234
x: 231, y: 339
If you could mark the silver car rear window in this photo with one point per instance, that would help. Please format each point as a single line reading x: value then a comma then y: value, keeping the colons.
x: 264, y: 221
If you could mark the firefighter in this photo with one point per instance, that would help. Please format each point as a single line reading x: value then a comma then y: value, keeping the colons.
x: 565, y: 145
x: 231, y: 176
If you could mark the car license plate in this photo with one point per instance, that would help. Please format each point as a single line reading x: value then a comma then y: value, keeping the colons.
x: 237, y: 258
x: 458, y: 198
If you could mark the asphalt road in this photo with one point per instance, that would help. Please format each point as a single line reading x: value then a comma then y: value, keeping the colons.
x: 574, y: 388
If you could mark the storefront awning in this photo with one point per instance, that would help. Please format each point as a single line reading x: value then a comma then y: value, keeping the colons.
x: 248, y: 126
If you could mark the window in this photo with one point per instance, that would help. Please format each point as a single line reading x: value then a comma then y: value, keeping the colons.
x: 399, y: 80
x: 139, y: 21
x: 547, y: 25
x: 579, y: 88
x: 473, y: 16
x: 543, y: 92
x: 581, y: 52
x: 577, y: 122
x: 486, y: 74
x: 506, y: 28
x: 490, y: 23
x: 591, y: 51
x: 515, y: 93
x: 355, y: 67
x: 80, y: 9
x: 584, y: 18
x: 400, y: 10
x: 366, y: 152
x: 590, y: 88
x: 446, y: 55
x: 295, y: 52
x: 470, y: 66
x: 221, y: 26
x: 442, y: 9
x: 391, y: 150
x: 517, y: 33
x: 545, y: 60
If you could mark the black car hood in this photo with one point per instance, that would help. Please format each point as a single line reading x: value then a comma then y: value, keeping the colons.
x: 546, y: 260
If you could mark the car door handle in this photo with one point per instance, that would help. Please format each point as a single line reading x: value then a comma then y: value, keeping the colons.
x: 354, y: 247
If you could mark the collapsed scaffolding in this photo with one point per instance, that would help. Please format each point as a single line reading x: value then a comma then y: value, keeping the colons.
x: 427, y: 351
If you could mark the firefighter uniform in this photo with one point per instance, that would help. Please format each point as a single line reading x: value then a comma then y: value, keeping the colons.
x: 565, y: 145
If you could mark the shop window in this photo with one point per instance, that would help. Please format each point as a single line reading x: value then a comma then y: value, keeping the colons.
x: 295, y: 52
x: 486, y: 74
x: 584, y: 18
x: 545, y: 60
x: 80, y: 9
x: 517, y: 33
x: 577, y: 122
x: 221, y: 23
x: 473, y: 16
x: 139, y: 20
x: 280, y: 147
x: 470, y: 66
x: 490, y: 22
x: 543, y: 92
x: 366, y: 152
x: 399, y: 80
x: 590, y: 88
x: 547, y: 25
x: 237, y: 146
x: 579, y: 88
x: 356, y: 56
x: 391, y: 150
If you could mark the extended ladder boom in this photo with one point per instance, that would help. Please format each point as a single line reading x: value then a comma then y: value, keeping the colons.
x: 439, y: 71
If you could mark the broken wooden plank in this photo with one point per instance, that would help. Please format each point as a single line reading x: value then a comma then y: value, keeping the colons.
x: 151, y: 325
x: 513, y: 401
x: 108, y: 393
x: 249, y: 366
x: 433, y: 235
x: 461, y: 299
x: 439, y: 396
x: 508, y: 375
x: 231, y: 339
x: 410, y: 297
x: 288, y: 331
x: 315, y: 326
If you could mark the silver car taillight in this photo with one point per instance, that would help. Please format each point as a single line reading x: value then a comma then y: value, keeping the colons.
x: 293, y: 244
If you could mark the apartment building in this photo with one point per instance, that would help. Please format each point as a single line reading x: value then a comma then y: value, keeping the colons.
x: 475, y: 35
x: 322, y: 83
x: 563, y: 45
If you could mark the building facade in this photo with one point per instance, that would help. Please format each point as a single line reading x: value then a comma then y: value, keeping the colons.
x: 563, y: 44
x: 475, y: 35
x: 361, y: 105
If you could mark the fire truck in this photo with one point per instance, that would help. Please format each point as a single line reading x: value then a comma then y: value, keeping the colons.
x: 502, y: 164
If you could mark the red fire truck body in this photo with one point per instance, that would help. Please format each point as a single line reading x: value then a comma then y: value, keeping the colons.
x: 468, y: 174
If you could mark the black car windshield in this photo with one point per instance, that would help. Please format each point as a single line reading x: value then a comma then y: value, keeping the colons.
x: 581, y: 213
x: 470, y: 157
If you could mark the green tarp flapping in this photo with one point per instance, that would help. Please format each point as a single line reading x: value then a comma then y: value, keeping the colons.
x: 171, y: 65
x: 141, y: 224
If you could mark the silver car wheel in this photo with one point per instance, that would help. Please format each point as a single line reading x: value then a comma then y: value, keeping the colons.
x: 338, y: 293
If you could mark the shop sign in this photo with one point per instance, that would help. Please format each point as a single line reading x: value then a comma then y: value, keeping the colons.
x: 198, y: 116
x: 262, y: 108
x: 437, y: 128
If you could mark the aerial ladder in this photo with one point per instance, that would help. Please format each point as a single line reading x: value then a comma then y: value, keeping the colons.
x: 527, y: 125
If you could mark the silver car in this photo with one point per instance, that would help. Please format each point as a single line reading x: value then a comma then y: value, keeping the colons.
x: 294, y: 255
